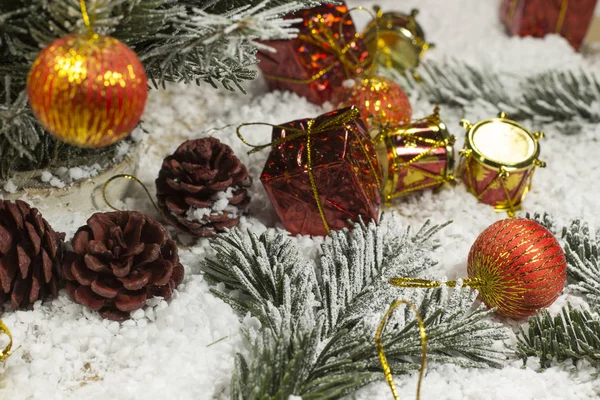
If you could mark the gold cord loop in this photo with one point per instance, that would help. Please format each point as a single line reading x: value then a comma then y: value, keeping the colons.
x: 4, y: 354
x: 132, y: 178
x: 386, y: 367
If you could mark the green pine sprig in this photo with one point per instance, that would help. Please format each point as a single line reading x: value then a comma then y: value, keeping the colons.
x: 572, y: 335
x: 319, y: 319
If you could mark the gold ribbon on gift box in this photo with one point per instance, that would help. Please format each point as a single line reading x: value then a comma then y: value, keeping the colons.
x: 312, y: 128
x: 322, y: 36
x: 564, y: 6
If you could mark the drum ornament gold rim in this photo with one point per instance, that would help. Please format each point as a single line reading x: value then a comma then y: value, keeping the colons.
x: 384, y: 22
x: 476, y: 153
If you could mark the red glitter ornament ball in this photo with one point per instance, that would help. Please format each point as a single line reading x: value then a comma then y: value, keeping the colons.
x: 87, y: 90
x: 520, y: 265
x: 380, y: 100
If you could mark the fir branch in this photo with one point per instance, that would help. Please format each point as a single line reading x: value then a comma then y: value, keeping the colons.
x: 561, y: 96
x: 455, y: 84
x: 317, y: 340
x: 546, y: 220
x: 219, y: 48
x: 574, y: 334
x: 583, y: 266
x: 221, y: 6
x: 269, y: 273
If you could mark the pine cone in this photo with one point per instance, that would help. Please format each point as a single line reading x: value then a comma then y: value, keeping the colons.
x: 30, y: 255
x: 119, y: 260
x: 201, y: 187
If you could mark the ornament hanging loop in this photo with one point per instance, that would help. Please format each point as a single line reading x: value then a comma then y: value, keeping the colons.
x: 4, y: 354
x: 386, y: 367
x: 132, y: 178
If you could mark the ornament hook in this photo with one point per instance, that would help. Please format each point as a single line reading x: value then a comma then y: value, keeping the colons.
x: 86, y: 18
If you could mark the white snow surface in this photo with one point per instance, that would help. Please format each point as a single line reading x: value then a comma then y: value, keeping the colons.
x: 163, y: 352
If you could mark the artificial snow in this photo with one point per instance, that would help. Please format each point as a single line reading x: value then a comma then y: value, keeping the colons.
x: 10, y: 187
x: 221, y: 204
x: 185, y: 348
x: 46, y: 176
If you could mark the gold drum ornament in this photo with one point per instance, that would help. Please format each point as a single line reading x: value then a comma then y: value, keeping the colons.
x: 498, y: 161
x: 397, y: 39
x: 415, y: 156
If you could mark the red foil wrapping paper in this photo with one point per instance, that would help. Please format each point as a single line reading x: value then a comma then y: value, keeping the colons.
x: 419, y: 155
x: 569, y: 18
x: 342, y: 162
x: 300, y: 60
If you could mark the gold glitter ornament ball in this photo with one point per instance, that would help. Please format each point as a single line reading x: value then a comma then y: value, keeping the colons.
x: 88, y: 90
x: 520, y: 265
x: 381, y: 101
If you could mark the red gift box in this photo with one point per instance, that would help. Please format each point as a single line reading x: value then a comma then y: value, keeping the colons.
x: 314, y: 63
x: 569, y: 18
x: 344, y: 165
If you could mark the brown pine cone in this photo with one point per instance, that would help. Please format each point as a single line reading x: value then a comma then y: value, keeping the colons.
x: 30, y: 255
x: 201, y: 188
x: 119, y: 260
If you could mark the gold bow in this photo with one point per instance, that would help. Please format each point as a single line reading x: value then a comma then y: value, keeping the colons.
x: 336, y: 121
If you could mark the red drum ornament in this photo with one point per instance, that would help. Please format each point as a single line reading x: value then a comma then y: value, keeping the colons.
x: 87, y: 90
x: 520, y: 267
x: 415, y: 156
x: 498, y: 161
x: 381, y: 101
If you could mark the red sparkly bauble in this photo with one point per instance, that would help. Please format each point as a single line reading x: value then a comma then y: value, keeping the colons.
x: 87, y: 90
x: 520, y: 265
x: 380, y: 100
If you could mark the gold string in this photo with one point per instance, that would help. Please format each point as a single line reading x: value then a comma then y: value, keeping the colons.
x: 564, y: 6
x: 512, y: 10
x: 4, y: 354
x: 336, y: 121
x: 561, y: 17
x: 86, y: 17
x: 386, y: 367
x: 417, y: 283
x: 311, y: 176
x: 132, y: 178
